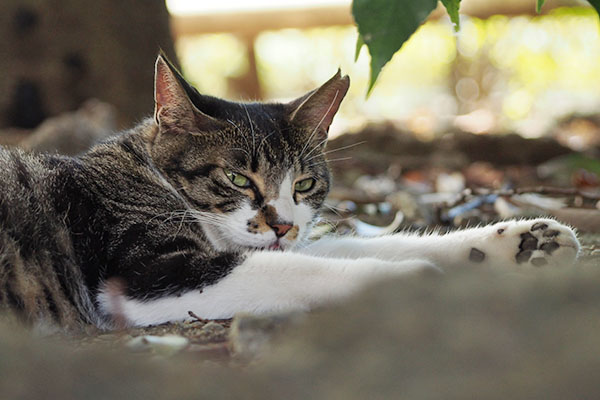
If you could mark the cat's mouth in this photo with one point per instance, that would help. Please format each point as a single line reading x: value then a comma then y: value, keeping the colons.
x: 276, y: 245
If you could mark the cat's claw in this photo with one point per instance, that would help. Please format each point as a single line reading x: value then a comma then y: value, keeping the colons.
x: 527, y: 243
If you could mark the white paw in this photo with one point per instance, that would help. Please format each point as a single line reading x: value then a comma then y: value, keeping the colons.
x: 529, y: 243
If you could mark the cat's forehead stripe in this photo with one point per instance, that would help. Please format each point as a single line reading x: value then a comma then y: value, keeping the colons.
x: 284, y: 200
x: 285, y: 189
x: 259, y: 182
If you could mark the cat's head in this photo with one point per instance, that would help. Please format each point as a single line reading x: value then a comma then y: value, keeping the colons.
x: 254, y: 173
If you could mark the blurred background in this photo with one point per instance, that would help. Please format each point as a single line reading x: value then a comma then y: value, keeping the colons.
x: 500, y: 120
x: 507, y: 69
x: 510, y: 101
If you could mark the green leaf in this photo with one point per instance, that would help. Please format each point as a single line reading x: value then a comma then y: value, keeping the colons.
x: 452, y: 9
x: 595, y: 4
x: 384, y: 26
x: 359, y: 44
x: 540, y: 3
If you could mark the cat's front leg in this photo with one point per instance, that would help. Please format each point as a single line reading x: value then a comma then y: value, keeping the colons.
x: 264, y: 282
x: 512, y: 244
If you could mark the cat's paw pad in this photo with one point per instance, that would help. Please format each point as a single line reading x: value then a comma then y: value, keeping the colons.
x: 533, y: 243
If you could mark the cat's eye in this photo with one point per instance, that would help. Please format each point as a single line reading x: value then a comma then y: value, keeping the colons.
x: 304, y: 185
x: 238, y: 179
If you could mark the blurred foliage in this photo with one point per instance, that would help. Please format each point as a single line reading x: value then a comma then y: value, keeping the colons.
x: 520, y: 73
x: 539, y: 5
x: 452, y: 7
x: 210, y: 60
x: 385, y: 25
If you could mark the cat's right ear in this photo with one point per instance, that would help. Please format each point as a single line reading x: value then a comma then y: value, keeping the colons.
x: 174, y: 112
x: 315, y: 110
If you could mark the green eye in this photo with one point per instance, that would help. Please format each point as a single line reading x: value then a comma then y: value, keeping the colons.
x: 304, y: 185
x: 237, y: 179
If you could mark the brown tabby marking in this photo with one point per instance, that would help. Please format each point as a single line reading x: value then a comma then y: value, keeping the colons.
x: 293, y: 233
x: 152, y: 206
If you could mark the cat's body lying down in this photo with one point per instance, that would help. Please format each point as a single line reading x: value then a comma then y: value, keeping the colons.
x: 190, y: 211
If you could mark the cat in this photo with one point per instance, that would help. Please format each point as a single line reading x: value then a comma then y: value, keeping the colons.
x: 206, y: 207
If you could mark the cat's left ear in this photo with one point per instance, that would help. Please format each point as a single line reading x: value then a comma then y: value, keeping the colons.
x: 168, y: 93
x: 315, y: 110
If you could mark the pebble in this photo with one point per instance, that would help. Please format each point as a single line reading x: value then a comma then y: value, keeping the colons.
x: 213, y: 328
x: 166, y: 345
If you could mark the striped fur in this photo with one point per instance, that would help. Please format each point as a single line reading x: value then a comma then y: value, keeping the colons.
x: 144, y: 207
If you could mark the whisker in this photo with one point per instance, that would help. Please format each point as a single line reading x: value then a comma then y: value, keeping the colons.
x: 200, y: 217
x: 330, y: 161
x: 180, y: 225
x: 234, y: 125
x: 251, y: 129
x: 338, y: 149
x: 264, y: 139
x: 189, y: 216
x: 157, y: 216
x: 320, y: 122
x: 317, y: 146
x: 333, y: 209
x: 135, y: 154
x: 244, y: 150
x: 240, y: 132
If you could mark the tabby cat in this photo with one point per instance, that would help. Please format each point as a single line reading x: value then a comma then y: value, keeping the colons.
x: 206, y: 208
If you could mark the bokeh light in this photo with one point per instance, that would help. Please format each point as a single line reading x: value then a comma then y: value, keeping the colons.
x: 504, y: 74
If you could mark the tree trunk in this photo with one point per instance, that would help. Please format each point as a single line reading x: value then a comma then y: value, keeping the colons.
x: 55, y: 54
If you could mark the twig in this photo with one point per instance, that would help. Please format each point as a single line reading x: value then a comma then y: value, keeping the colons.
x: 195, y: 316
x: 546, y: 190
x: 552, y: 191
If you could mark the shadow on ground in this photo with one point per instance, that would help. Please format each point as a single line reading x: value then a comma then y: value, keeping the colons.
x: 466, y: 334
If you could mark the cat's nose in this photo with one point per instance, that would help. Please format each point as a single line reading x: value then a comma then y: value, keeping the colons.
x: 281, y: 229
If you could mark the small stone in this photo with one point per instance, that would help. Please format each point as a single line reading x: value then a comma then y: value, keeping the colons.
x: 539, y: 261
x: 164, y: 345
x: 192, y: 322
x: 538, y: 226
x: 476, y: 255
x: 346, y: 206
x: 213, y: 328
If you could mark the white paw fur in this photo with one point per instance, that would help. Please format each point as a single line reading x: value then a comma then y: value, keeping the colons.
x: 266, y: 282
x: 331, y: 269
x: 524, y: 244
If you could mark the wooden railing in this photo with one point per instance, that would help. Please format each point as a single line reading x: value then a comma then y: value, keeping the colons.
x: 247, y: 25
